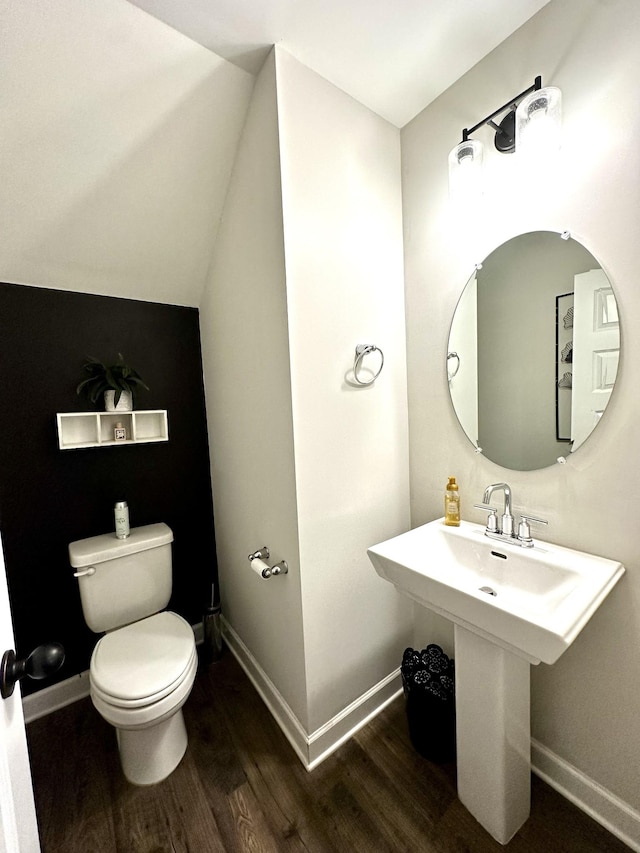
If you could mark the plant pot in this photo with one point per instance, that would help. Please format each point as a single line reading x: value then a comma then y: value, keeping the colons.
x: 125, y: 403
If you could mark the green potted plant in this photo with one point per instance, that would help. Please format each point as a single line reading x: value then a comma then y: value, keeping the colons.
x: 117, y: 382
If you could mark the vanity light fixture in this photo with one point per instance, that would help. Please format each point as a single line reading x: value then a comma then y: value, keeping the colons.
x: 538, y: 122
x: 530, y: 119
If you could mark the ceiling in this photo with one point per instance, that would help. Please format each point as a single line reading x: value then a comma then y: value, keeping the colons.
x: 394, y: 56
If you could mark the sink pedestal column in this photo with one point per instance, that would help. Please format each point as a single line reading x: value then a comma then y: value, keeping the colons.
x: 493, y: 734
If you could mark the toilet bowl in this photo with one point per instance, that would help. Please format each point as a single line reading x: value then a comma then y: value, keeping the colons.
x: 143, y: 668
x: 140, y: 677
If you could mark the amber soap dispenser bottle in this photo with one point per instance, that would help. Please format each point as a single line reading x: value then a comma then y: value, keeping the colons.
x: 452, y: 504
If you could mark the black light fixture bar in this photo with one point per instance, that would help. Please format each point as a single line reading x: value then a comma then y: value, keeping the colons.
x: 510, y: 105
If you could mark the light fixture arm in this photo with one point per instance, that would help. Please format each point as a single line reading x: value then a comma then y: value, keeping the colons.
x: 510, y: 105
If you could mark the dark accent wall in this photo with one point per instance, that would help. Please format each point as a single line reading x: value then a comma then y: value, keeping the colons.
x: 50, y: 497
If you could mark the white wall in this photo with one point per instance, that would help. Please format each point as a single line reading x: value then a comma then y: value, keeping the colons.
x: 585, y: 708
x: 245, y: 349
x: 118, y: 138
x: 343, y: 242
x: 308, y: 265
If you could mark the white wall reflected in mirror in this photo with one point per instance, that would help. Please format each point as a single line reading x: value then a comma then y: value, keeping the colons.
x: 520, y: 393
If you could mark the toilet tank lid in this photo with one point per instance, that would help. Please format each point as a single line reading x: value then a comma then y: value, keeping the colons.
x: 98, y: 549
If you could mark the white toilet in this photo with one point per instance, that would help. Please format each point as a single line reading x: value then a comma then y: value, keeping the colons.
x: 143, y: 669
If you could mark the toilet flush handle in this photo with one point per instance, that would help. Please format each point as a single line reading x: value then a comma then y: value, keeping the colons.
x: 91, y: 570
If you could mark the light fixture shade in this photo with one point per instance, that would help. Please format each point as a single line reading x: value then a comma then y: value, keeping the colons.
x: 465, y: 170
x: 539, y: 122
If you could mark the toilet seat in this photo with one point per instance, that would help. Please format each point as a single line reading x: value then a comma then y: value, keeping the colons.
x: 140, y: 664
x: 143, y: 673
x: 144, y: 716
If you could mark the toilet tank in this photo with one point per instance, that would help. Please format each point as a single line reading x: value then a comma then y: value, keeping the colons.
x: 123, y: 580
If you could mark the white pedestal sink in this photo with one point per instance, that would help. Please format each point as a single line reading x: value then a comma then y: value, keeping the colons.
x: 511, y: 607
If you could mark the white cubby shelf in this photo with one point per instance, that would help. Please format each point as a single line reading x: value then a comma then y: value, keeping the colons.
x: 95, y: 429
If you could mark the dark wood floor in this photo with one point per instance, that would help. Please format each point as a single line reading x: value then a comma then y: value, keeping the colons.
x: 240, y: 787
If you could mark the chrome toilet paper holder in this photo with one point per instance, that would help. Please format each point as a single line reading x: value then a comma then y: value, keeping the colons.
x: 260, y: 554
x: 262, y: 568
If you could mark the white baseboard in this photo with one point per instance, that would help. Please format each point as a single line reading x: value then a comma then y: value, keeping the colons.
x: 280, y: 710
x: 325, y: 740
x: 51, y: 699
x: 618, y: 817
x: 604, y: 807
x: 313, y: 748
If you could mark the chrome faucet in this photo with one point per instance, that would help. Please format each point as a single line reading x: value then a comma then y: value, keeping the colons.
x: 507, y: 518
x: 493, y: 529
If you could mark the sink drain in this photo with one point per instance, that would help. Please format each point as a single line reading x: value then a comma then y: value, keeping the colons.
x: 488, y: 590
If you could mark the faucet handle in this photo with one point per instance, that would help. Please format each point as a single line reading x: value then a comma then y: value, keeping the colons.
x: 533, y: 518
x: 492, y: 518
x: 524, y: 531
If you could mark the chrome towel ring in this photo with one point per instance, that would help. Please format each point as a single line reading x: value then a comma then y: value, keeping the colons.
x: 361, y: 351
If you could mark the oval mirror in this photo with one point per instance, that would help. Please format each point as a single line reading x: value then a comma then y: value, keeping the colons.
x: 533, y: 350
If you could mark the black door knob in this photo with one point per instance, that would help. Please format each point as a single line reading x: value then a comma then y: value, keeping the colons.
x: 43, y: 661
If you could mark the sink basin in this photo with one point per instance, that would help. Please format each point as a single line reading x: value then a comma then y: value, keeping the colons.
x: 530, y: 601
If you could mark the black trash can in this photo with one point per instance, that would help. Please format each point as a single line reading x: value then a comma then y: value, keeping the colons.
x: 428, y: 679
